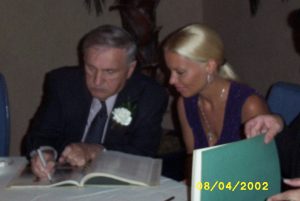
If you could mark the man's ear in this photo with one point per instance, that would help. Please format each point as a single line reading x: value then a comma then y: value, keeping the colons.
x: 132, y: 66
x: 211, y: 66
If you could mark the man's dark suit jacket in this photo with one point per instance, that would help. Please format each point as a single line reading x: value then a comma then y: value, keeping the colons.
x: 288, y: 144
x: 62, y: 115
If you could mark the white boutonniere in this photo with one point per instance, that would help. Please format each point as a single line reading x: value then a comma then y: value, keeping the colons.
x: 123, y: 115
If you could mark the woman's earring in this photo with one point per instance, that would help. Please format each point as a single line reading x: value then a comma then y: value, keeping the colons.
x: 209, y: 78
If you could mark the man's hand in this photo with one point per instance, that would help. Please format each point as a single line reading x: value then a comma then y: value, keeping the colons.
x: 291, y: 195
x: 79, y: 154
x: 37, y: 167
x: 269, y: 124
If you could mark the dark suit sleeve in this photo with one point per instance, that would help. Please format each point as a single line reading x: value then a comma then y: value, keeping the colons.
x: 144, y: 134
x: 288, y: 144
x: 61, y: 117
x: 46, y: 124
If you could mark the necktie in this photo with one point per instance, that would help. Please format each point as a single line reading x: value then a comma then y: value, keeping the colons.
x: 95, y: 132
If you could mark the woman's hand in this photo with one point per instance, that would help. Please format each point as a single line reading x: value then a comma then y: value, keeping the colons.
x: 269, y: 124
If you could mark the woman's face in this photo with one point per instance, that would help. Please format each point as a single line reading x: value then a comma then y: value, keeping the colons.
x: 187, y: 76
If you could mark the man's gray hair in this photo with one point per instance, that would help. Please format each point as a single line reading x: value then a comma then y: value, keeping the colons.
x: 110, y: 36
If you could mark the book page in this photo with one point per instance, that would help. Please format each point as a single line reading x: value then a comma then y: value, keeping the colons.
x: 64, y: 175
x: 125, y: 167
x: 109, y: 168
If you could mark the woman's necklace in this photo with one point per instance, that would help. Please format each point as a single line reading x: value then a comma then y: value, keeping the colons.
x: 210, y: 134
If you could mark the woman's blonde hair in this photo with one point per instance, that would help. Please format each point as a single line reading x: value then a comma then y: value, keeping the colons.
x: 200, y: 43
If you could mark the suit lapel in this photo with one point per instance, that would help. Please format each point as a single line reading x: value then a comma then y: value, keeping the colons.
x: 128, y: 95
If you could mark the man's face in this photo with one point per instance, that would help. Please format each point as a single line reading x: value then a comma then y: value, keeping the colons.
x: 106, y: 70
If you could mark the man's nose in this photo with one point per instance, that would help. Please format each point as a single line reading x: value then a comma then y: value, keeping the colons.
x: 98, y: 78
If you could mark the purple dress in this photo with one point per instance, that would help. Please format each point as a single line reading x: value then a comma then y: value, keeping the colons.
x: 232, y: 127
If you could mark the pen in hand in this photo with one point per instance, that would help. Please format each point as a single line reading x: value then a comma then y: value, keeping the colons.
x: 170, y: 198
x: 42, y: 159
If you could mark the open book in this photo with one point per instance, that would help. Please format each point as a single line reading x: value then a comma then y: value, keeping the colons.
x: 243, y: 170
x: 109, y: 168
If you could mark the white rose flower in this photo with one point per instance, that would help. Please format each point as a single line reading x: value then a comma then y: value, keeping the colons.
x: 122, y: 116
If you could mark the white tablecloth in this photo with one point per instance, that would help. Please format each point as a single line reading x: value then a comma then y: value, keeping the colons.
x: 167, y: 189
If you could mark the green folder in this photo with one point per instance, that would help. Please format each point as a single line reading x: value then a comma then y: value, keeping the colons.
x: 239, y: 171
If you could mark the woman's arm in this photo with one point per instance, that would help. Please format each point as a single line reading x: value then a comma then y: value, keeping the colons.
x: 258, y: 119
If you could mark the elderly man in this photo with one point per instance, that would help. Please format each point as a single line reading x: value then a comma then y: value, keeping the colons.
x: 102, y: 105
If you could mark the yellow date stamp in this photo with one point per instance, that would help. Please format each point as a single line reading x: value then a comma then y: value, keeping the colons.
x: 233, y: 186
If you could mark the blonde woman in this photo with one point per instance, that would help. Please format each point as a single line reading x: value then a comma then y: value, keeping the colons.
x: 213, y: 107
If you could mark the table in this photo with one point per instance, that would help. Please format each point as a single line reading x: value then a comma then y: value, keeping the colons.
x: 168, y: 188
